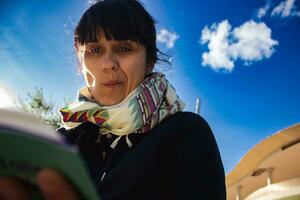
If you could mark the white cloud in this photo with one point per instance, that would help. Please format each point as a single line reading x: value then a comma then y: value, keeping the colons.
x: 167, y: 37
x: 254, y: 41
x: 285, y: 9
x: 249, y: 42
x: 263, y: 11
x: 217, y: 38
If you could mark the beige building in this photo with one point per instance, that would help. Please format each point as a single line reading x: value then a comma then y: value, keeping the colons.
x: 270, y: 170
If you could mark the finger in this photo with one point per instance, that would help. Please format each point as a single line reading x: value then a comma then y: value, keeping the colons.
x: 54, y: 186
x: 13, y: 189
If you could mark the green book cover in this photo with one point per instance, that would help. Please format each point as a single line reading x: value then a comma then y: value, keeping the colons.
x: 27, y: 145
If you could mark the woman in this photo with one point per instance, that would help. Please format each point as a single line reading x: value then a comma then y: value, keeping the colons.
x: 128, y: 121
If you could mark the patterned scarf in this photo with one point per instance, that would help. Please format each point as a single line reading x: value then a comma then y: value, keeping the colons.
x: 145, y: 107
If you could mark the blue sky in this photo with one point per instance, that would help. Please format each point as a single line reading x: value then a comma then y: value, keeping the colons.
x: 242, y: 60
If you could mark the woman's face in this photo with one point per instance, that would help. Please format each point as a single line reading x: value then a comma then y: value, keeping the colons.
x: 112, y: 69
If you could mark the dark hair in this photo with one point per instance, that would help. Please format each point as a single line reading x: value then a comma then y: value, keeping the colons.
x: 119, y: 20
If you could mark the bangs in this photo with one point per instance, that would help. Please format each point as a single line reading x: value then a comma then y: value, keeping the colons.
x: 117, y: 20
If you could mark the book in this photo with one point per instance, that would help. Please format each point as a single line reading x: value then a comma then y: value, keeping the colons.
x: 27, y: 145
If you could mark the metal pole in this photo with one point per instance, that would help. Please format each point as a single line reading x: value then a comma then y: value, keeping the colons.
x: 238, y: 193
x: 197, y: 110
x: 270, y: 176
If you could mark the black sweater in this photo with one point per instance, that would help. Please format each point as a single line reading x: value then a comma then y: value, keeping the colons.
x: 178, y: 159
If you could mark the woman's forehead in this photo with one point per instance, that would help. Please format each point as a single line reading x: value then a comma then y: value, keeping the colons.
x: 103, y: 40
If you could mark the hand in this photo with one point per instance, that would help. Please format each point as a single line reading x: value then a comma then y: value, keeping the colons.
x: 51, y: 184
x: 12, y: 188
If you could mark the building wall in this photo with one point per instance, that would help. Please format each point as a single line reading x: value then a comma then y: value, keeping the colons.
x: 285, y: 190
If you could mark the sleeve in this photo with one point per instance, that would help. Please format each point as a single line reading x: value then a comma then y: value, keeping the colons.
x: 198, y: 171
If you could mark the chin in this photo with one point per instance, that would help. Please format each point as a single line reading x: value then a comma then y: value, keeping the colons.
x: 113, y: 102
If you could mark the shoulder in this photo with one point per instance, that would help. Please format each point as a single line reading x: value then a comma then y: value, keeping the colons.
x: 187, y: 121
x: 181, y: 131
x: 193, y: 153
x: 186, y: 118
x: 186, y: 133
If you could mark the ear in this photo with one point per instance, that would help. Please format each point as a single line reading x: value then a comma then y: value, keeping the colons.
x: 149, y: 67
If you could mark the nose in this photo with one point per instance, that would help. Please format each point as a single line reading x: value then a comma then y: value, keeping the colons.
x: 109, y: 62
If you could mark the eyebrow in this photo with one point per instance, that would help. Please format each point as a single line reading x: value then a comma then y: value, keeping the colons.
x: 125, y: 43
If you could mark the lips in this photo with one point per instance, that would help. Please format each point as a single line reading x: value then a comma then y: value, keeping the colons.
x: 112, y: 83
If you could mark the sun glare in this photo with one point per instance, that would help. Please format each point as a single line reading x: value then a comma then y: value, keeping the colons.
x: 6, y: 98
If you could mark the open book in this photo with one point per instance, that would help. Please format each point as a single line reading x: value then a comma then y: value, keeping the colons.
x: 27, y: 145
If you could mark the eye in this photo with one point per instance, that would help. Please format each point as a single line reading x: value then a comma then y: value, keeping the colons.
x: 95, y: 50
x: 124, y: 49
